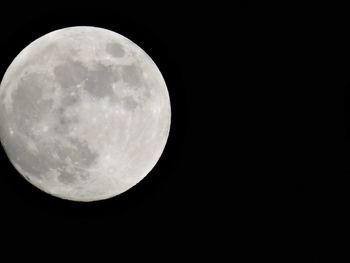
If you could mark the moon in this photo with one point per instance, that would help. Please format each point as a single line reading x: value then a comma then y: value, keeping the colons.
x: 84, y: 113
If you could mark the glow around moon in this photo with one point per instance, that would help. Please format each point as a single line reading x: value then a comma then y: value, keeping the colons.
x: 84, y: 113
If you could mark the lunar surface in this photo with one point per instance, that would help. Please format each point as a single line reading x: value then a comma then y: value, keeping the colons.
x: 84, y: 113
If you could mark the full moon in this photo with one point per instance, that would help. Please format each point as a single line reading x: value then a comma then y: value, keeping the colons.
x: 84, y: 113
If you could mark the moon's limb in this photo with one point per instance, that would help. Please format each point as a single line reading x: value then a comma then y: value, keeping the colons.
x: 84, y: 113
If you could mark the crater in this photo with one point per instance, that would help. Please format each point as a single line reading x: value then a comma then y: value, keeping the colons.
x: 115, y: 49
x: 129, y: 103
x: 70, y: 99
x: 65, y: 121
x: 66, y: 178
x: 82, y: 155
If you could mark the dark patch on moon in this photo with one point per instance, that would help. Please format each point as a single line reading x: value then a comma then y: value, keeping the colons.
x: 81, y: 156
x: 28, y: 105
x: 99, y: 83
x: 115, y: 49
x: 70, y: 99
x: 70, y: 73
x: 66, y: 178
x: 132, y: 74
x: 63, y: 122
x: 41, y: 163
x: 25, y: 158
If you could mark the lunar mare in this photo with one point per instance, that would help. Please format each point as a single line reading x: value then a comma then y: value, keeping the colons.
x: 84, y: 113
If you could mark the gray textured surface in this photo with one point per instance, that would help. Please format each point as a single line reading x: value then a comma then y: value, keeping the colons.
x: 84, y: 113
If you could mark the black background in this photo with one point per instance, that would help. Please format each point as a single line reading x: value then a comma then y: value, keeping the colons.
x: 244, y: 166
